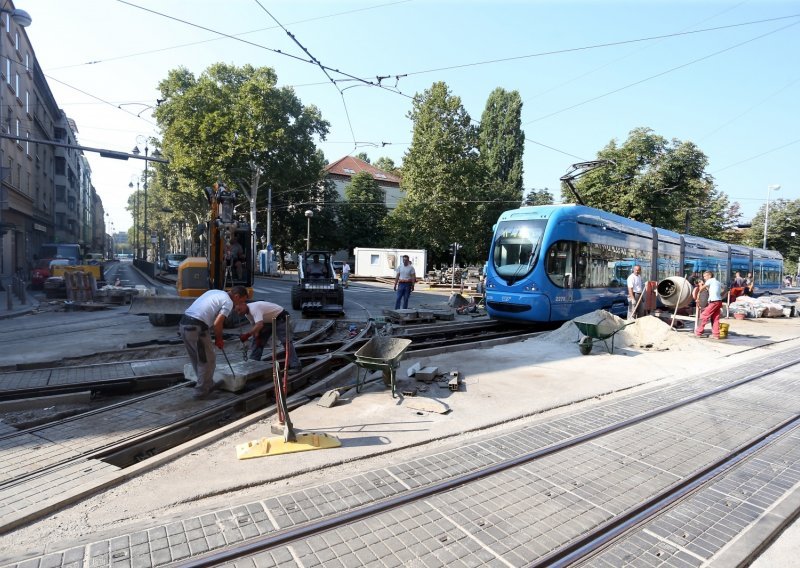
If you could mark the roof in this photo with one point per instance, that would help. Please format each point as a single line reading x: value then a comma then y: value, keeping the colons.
x: 350, y: 166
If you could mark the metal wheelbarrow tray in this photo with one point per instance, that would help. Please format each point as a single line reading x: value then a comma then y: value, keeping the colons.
x: 381, y: 354
x: 599, y: 331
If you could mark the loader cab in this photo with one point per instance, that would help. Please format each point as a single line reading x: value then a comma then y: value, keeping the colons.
x: 318, y: 291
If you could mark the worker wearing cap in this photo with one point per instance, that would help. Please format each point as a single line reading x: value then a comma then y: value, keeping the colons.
x: 404, y: 282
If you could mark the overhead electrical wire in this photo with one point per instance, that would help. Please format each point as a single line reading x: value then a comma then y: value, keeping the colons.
x: 662, y: 73
x: 200, y: 42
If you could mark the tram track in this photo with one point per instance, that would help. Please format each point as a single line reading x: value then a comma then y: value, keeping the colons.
x: 719, y: 402
x: 148, y: 434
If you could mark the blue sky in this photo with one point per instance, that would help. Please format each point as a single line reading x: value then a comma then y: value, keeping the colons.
x: 586, y: 70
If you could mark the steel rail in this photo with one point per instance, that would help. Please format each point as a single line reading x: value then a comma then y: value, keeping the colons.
x: 284, y: 537
x: 602, y: 535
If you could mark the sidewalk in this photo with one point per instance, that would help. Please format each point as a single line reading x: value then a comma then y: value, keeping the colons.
x: 17, y: 308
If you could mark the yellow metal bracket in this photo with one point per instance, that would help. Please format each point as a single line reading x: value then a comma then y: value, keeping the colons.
x: 278, y: 445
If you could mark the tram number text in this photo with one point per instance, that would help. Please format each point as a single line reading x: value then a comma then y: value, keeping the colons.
x: 561, y: 299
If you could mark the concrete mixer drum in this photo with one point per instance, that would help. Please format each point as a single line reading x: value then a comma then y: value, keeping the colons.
x: 675, y: 291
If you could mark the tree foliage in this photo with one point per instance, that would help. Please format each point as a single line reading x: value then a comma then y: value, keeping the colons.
x: 783, y: 231
x: 660, y: 182
x: 387, y: 165
x: 442, y: 177
x: 234, y: 124
x: 363, y: 212
x: 501, y: 143
x: 538, y: 197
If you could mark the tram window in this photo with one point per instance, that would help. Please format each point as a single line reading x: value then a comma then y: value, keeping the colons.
x: 593, y: 265
x: 516, y: 248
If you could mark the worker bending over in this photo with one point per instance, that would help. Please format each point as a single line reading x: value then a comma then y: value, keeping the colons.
x: 261, y: 315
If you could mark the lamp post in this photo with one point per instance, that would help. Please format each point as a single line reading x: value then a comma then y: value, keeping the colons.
x: 142, y: 140
x: 135, y: 218
x: 766, y: 214
x: 309, y: 214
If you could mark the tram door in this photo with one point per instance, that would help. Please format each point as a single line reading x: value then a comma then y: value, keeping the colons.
x: 561, y: 272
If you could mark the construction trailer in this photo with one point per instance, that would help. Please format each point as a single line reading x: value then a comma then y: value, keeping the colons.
x: 382, y: 263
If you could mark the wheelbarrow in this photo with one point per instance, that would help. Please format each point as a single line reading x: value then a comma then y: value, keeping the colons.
x: 603, y: 330
x: 380, y: 354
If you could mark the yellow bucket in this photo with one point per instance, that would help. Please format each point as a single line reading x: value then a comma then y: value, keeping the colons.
x: 723, y: 330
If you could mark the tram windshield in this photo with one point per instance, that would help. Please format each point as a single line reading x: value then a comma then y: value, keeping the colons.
x: 516, y: 248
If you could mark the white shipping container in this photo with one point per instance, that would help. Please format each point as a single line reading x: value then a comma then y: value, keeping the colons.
x: 382, y: 263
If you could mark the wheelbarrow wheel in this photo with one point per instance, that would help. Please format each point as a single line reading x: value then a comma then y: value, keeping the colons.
x: 585, y: 345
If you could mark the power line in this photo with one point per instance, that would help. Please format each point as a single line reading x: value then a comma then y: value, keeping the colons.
x: 661, y: 74
x: 191, y: 44
x: 594, y: 46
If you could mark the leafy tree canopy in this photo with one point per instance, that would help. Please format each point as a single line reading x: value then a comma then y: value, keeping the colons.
x: 363, y: 212
x: 442, y: 177
x: 234, y: 124
x: 660, y: 182
x: 538, y: 197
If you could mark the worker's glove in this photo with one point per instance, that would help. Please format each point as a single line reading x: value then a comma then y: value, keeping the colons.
x: 244, y: 337
x: 219, y: 342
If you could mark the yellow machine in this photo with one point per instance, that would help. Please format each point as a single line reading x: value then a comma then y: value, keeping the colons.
x: 230, y: 262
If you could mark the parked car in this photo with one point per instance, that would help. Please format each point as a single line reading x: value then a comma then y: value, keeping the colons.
x: 172, y: 261
x: 40, y: 273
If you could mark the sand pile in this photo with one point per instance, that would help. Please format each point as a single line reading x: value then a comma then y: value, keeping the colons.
x: 648, y: 333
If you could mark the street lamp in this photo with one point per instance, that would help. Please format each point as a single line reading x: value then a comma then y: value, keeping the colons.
x: 309, y: 214
x: 135, y: 217
x: 142, y: 140
x: 766, y: 214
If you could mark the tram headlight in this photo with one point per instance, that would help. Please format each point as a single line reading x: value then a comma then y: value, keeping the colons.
x: 532, y: 287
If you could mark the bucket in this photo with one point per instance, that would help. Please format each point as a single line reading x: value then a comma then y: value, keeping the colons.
x: 723, y: 330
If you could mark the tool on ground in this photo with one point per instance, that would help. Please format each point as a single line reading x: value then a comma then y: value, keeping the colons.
x: 229, y: 363
x: 290, y: 442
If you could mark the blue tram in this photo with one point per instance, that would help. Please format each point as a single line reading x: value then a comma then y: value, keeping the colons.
x: 556, y: 262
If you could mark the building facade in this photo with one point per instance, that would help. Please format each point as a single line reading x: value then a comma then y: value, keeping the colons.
x: 342, y: 171
x: 46, y: 193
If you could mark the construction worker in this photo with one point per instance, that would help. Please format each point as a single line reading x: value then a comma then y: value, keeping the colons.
x: 261, y: 315
x: 207, y: 312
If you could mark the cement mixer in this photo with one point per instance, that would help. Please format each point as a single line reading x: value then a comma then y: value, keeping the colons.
x: 675, y: 292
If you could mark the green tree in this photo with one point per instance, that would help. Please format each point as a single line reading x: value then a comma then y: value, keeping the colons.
x: 538, y: 197
x: 657, y: 181
x: 362, y: 156
x: 234, y: 124
x: 387, y: 165
x: 783, y: 231
x: 501, y: 143
x: 363, y: 212
x: 443, y: 179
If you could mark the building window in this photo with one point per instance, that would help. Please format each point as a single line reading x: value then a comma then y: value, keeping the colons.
x: 8, y: 22
x: 16, y: 83
x: 28, y: 61
x: 17, y: 121
x: 27, y: 102
x: 8, y: 70
x: 27, y: 144
x: 16, y: 41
